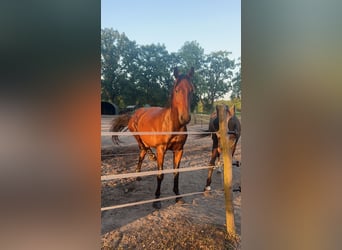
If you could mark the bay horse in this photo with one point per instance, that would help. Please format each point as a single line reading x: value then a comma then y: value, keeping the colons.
x: 234, y: 131
x: 172, y: 118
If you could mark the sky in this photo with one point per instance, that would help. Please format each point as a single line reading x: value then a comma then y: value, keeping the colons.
x: 214, y: 24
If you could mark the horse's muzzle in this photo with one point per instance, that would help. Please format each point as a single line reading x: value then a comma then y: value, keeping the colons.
x: 185, y: 119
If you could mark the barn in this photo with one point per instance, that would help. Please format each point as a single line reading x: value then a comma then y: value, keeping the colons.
x: 108, y: 108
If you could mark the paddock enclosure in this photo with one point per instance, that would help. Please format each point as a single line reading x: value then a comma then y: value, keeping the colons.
x: 199, y: 223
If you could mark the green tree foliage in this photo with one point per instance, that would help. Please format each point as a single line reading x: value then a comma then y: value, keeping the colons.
x: 118, y: 64
x: 217, y: 75
x: 191, y: 54
x: 236, y: 84
x: 153, y: 78
x: 134, y: 74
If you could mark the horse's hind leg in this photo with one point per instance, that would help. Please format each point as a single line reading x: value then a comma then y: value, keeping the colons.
x: 151, y: 155
x: 142, y: 154
x: 140, y: 160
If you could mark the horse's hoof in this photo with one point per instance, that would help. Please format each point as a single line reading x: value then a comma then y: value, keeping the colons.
x: 180, y: 200
x: 207, y: 188
x: 206, y: 193
x: 156, y: 204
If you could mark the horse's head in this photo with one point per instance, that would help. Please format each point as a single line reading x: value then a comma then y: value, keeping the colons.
x: 182, y: 95
x: 230, y: 111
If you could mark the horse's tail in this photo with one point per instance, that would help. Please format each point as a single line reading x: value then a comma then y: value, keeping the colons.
x: 119, y: 124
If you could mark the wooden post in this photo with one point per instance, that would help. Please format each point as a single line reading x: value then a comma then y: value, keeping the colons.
x: 227, y: 169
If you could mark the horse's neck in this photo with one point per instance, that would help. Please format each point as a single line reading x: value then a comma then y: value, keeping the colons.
x: 173, y: 118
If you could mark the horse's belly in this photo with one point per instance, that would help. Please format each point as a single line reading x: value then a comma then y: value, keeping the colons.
x: 175, y: 143
x: 153, y: 140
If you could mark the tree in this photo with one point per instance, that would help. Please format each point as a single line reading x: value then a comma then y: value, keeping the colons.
x: 191, y: 54
x: 236, y: 84
x: 133, y: 74
x: 154, y: 75
x: 217, y: 72
x: 118, y: 63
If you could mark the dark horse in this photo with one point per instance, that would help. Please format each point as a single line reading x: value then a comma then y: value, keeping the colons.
x: 234, y: 128
x: 156, y: 119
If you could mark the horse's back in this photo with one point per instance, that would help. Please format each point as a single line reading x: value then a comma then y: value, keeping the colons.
x: 144, y: 118
x: 234, y: 125
x: 213, y: 122
x: 151, y: 111
x: 156, y: 119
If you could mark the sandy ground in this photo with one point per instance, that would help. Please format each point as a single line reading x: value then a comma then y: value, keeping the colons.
x: 199, y: 223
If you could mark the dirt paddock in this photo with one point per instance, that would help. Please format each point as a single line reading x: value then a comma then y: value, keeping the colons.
x: 199, y: 223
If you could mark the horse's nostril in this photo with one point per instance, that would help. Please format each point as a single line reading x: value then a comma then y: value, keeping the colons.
x: 185, y: 119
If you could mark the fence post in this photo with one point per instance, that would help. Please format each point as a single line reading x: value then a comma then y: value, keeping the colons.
x: 227, y: 169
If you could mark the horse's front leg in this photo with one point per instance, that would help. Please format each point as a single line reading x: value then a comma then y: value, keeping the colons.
x: 160, y: 177
x: 177, y: 156
x: 210, y: 173
x: 214, y: 154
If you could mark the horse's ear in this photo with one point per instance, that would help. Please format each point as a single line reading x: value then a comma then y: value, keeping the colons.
x: 191, y: 72
x: 232, y: 110
x: 175, y: 72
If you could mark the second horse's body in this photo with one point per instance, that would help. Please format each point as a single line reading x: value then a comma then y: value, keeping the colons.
x: 234, y: 128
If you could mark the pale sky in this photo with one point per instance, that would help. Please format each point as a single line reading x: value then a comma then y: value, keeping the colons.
x: 214, y: 24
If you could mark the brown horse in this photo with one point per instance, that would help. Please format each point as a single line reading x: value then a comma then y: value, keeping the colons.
x: 157, y: 119
x: 234, y: 131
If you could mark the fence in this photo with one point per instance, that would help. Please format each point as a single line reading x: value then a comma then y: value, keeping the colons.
x: 148, y: 173
x: 227, y: 170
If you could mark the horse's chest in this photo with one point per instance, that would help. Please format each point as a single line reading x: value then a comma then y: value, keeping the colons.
x: 177, y: 142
